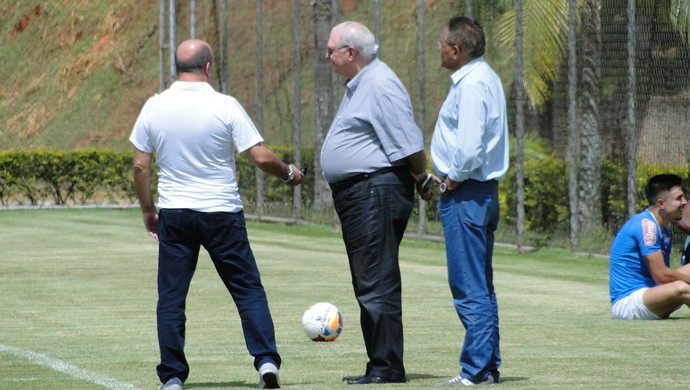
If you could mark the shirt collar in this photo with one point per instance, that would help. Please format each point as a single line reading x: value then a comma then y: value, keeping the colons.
x: 190, y: 85
x: 355, y: 81
x: 466, y: 69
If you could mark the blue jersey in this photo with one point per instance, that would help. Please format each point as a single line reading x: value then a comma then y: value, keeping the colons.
x: 639, y: 237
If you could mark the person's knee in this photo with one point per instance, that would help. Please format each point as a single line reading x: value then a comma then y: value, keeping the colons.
x: 682, y: 289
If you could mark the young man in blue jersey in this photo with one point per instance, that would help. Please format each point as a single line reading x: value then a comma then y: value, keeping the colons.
x: 641, y: 283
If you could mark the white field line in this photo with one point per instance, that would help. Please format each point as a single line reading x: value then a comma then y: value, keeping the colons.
x: 66, y: 368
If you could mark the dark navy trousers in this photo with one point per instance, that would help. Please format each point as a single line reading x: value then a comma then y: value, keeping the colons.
x: 181, y: 234
x: 374, y: 215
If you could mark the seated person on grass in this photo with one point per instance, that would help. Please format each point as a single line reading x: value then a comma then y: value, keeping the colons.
x: 641, y: 283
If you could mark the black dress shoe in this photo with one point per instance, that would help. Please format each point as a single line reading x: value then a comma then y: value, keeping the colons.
x: 369, y: 380
x: 352, y: 379
x: 372, y: 379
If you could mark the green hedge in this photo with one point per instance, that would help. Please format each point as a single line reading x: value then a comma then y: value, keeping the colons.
x: 546, y: 193
x: 77, y: 177
x: 37, y: 177
x: 275, y: 191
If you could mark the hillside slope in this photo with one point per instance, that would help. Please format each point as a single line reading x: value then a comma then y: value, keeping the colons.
x: 76, y: 72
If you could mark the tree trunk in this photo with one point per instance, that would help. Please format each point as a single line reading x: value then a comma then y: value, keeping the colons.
x: 572, y: 125
x: 297, y: 98
x: 192, y: 19
x: 589, y: 196
x: 173, y: 40
x: 421, y: 110
x: 161, y: 53
x: 519, y: 126
x: 322, y: 78
x: 260, y: 208
x: 223, y: 69
x: 631, y: 139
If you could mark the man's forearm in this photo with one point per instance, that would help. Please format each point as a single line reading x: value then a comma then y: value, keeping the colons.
x: 142, y: 184
x: 142, y: 181
x: 417, y: 164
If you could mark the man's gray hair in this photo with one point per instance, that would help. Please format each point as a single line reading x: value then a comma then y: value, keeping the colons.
x: 358, y: 36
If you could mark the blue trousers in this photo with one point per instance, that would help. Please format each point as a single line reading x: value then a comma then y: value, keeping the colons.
x: 374, y: 215
x: 469, y: 216
x: 181, y: 233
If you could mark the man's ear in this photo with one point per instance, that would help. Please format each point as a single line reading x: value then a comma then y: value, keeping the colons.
x: 659, y: 203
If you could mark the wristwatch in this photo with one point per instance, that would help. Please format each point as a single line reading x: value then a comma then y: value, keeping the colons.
x: 291, y: 175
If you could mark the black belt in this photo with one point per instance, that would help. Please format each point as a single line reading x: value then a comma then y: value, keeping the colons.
x: 352, y: 180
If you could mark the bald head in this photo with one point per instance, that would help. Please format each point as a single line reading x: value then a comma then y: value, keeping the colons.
x: 193, y: 56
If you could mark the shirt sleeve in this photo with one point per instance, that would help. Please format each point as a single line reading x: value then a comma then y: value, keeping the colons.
x: 394, y: 124
x: 648, y: 239
x: 140, y: 135
x: 471, y: 151
x: 244, y: 133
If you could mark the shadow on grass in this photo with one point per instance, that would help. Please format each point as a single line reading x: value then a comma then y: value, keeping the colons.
x: 234, y: 385
x: 506, y: 379
x: 219, y: 385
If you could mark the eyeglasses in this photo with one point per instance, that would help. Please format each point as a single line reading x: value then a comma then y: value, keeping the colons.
x: 329, y: 51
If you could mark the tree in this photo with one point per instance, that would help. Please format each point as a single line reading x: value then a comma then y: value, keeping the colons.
x: 223, y: 27
x: 631, y: 147
x: 589, y: 174
x: 572, y: 123
x: 297, y: 124
x: 322, y: 78
x: 421, y: 109
x: 546, y: 24
x: 259, y: 102
x: 519, y: 126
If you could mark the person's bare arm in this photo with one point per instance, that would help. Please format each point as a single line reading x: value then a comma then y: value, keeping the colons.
x: 267, y: 161
x: 417, y: 164
x: 660, y: 272
x: 142, y: 184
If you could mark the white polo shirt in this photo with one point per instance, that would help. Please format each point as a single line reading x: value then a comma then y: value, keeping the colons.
x: 194, y: 131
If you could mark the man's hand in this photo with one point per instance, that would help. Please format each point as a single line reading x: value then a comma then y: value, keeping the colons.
x: 423, y: 185
x: 151, y: 223
x: 451, y: 185
x: 297, y: 178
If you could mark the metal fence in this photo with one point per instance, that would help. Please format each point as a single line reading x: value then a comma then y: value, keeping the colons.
x: 594, y: 80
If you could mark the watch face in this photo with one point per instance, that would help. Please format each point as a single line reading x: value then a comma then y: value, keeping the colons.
x: 442, y: 187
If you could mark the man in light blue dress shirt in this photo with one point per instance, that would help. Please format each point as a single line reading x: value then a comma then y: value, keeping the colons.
x: 373, y: 158
x: 469, y: 151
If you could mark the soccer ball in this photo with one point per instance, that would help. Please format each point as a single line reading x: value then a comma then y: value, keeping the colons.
x: 322, y: 322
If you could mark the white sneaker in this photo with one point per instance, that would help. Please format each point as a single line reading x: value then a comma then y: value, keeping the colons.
x: 173, y: 384
x: 460, y: 381
x: 268, y: 376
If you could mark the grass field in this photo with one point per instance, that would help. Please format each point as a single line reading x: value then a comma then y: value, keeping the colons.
x: 77, y: 292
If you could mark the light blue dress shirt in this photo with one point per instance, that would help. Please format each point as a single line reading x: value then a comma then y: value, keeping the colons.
x: 470, y: 140
x: 374, y: 127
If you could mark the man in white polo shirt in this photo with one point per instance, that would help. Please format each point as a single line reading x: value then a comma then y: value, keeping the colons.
x: 194, y: 131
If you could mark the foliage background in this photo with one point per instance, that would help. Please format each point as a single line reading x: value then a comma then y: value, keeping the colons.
x: 76, y: 72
